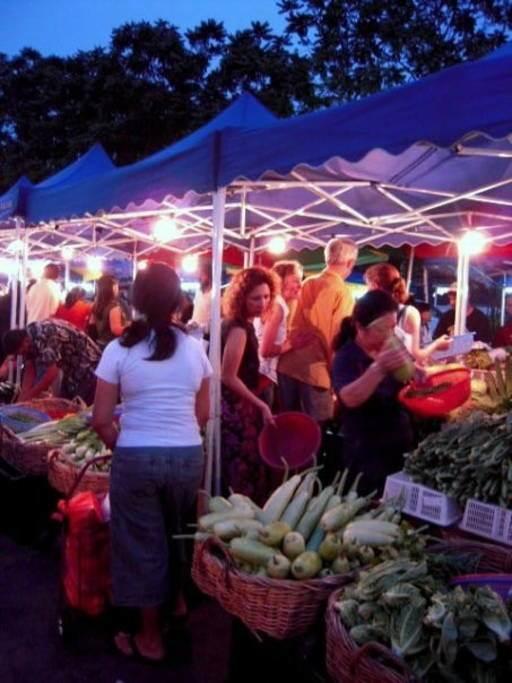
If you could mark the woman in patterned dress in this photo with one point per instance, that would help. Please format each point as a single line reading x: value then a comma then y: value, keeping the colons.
x: 248, y: 296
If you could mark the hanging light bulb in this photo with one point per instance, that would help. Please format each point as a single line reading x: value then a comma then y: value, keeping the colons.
x: 67, y: 253
x: 472, y: 243
x: 189, y: 263
x: 15, y: 247
x: 277, y: 245
x: 165, y: 229
x: 142, y: 265
x: 36, y: 268
x: 94, y: 265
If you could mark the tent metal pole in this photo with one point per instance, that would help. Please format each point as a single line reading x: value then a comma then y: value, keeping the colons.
x: 503, y: 301
x: 22, y: 274
x: 410, y: 267
x: 461, y: 304
x: 213, y: 452
x: 425, y: 285
x: 252, y: 251
x: 66, y: 275
x: 134, y: 261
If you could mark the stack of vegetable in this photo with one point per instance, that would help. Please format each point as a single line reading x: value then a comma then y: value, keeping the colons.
x: 78, y: 443
x: 300, y: 535
x: 478, y: 359
x: 441, y: 633
x: 57, y: 432
x: 85, y: 446
x: 470, y: 459
x: 497, y: 398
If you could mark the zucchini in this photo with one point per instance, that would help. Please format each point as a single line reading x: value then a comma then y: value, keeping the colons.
x: 250, y: 550
x: 276, y: 504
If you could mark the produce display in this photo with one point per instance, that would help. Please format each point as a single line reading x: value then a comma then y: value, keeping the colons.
x: 498, y: 395
x: 78, y: 443
x: 441, y: 633
x: 470, y: 459
x: 478, y: 359
x: 302, y: 535
x: 57, y: 432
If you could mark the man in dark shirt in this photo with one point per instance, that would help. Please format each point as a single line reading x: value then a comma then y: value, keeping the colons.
x: 476, y: 321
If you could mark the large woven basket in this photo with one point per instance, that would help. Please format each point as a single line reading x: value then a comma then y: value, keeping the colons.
x: 278, y: 608
x: 374, y: 663
x: 63, y: 476
x: 346, y: 662
x: 32, y: 458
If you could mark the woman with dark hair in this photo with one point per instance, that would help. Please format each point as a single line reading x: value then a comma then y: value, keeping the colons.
x: 75, y: 309
x: 249, y: 295
x: 163, y: 377
x: 376, y: 429
x: 386, y: 277
x: 272, y: 328
x: 107, y: 316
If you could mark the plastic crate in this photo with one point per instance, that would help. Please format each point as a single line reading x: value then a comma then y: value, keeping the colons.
x: 421, y: 501
x: 489, y: 521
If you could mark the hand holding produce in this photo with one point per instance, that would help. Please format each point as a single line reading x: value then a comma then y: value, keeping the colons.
x: 395, y: 359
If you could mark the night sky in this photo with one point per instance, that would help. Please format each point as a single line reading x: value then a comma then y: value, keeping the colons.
x: 63, y: 27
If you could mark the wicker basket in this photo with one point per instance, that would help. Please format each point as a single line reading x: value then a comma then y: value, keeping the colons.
x: 63, y: 476
x: 279, y: 608
x: 32, y: 458
x: 374, y: 663
x: 27, y: 458
x: 347, y: 662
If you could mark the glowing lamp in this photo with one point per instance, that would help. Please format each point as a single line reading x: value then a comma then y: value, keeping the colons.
x: 67, y: 253
x: 472, y: 243
x: 36, y: 268
x: 277, y: 245
x: 6, y: 266
x: 15, y: 247
x: 94, y: 264
x: 142, y: 265
x: 189, y: 263
x: 165, y: 229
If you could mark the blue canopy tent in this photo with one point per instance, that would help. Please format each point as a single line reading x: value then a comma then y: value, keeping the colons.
x: 419, y: 163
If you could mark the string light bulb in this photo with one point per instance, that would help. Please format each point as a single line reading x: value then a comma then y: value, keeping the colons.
x: 189, y: 263
x: 165, y: 229
x: 277, y: 245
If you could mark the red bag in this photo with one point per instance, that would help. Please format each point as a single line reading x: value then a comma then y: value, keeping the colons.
x: 86, y: 554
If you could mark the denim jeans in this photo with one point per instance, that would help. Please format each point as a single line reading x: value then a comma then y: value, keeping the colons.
x: 151, y: 492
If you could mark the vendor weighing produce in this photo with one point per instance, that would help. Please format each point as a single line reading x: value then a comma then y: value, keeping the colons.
x: 49, y: 347
x: 370, y: 367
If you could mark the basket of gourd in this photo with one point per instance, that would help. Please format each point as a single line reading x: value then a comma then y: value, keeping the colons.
x: 274, y: 567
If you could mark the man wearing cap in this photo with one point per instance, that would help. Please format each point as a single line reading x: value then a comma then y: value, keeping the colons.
x: 476, y: 321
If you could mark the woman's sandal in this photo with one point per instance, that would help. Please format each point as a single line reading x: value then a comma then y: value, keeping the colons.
x: 127, y: 646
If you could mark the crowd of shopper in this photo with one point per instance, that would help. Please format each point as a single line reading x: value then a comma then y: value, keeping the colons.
x: 286, y: 343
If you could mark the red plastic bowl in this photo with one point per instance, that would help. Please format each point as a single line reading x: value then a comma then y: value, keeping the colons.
x: 295, y: 438
x: 440, y: 404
